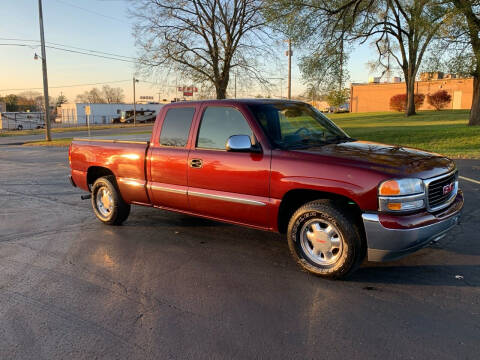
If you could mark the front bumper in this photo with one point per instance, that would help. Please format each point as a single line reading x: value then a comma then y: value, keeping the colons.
x: 392, y: 242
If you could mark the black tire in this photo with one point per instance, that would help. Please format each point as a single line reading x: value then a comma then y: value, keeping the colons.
x: 20, y: 127
x: 119, y: 209
x: 350, y: 253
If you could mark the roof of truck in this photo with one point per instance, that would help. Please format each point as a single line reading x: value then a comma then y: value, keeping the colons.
x: 236, y: 101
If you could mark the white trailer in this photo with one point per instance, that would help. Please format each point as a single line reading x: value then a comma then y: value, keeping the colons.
x: 99, y: 113
x: 21, y: 120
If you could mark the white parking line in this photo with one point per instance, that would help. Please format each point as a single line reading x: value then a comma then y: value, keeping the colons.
x: 468, y: 179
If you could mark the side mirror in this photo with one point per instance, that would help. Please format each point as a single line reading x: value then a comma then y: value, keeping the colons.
x: 239, y: 143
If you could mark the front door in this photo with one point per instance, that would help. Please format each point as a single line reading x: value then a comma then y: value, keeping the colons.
x: 223, y: 184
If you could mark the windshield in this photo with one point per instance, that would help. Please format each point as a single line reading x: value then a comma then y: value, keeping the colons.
x: 297, y: 125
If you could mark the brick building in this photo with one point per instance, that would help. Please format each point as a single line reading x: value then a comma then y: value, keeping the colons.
x: 376, y: 96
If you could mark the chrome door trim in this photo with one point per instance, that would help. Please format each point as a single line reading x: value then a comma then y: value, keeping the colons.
x: 131, y: 182
x: 227, y: 198
x: 168, y: 189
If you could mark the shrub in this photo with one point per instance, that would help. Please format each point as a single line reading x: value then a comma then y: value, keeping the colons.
x: 399, y: 102
x: 439, y: 99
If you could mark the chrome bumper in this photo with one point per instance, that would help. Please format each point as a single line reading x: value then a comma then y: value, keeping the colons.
x: 385, y: 244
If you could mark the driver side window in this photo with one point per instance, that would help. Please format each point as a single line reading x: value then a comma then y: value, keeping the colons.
x: 218, y: 124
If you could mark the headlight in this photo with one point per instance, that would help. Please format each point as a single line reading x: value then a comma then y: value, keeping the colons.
x: 400, y: 195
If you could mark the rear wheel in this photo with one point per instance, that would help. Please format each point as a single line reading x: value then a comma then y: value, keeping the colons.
x: 324, y: 240
x: 20, y: 127
x: 107, y: 202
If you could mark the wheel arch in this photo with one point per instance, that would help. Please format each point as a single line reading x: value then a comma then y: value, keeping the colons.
x: 96, y: 172
x: 293, y: 199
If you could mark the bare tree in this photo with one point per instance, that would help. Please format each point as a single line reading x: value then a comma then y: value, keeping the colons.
x: 469, y: 34
x: 113, y: 95
x: 202, y: 40
x: 92, y: 96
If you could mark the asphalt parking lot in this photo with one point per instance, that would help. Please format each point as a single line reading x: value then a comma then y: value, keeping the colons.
x: 169, y: 286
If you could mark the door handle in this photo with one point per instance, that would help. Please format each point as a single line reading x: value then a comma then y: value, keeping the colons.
x: 196, y: 163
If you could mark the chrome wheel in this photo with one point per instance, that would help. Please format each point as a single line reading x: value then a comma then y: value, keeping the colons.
x: 104, y: 201
x: 321, y: 241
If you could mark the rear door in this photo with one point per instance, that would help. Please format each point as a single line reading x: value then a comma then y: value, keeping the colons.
x: 168, y: 159
x: 227, y: 185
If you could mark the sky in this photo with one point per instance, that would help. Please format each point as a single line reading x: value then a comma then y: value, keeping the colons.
x: 102, y: 25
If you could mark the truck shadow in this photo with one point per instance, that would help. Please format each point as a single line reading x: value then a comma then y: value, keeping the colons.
x: 433, y: 275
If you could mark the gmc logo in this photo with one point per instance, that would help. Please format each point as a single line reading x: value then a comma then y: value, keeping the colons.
x: 448, y: 188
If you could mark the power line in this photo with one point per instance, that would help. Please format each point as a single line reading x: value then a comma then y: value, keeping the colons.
x: 70, y: 46
x: 67, y: 86
x: 75, y: 51
x: 91, y: 11
x: 84, y: 53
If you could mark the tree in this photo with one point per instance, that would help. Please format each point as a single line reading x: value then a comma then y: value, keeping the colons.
x: 470, y: 11
x: 11, y: 102
x: 113, y: 95
x: 61, y: 99
x: 439, y: 99
x: 93, y: 96
x: 400, y: 30
x: 337, y: 98
x: 202, y: 40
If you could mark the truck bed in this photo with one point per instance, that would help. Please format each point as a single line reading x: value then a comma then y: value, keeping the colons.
x: 118, y: 138
x: 124, y: 156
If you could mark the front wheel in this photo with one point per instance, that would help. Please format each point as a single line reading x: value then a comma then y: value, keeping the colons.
x: 107, y: 202
x: 324, y: 240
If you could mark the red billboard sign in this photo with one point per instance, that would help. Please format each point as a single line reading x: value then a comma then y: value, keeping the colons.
x: 187, y: 89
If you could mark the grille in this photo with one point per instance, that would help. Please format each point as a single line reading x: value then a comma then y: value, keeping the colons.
x: 436, y: 197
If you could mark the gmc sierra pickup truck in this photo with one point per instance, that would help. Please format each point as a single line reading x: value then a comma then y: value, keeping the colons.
x: 279, y: 166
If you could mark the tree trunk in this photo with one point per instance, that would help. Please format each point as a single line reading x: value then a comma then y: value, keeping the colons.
x: 410, y: 110
x: 475, y: 110
x: 221, y: 92
x: 221, y: 88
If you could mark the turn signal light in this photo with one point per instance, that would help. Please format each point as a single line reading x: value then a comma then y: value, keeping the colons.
x: 394, y: 206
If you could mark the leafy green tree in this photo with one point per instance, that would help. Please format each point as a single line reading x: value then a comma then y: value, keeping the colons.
x: 401, y: 31
x: 337, y: 98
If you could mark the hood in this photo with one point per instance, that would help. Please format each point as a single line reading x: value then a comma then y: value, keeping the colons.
x: 392, y: 160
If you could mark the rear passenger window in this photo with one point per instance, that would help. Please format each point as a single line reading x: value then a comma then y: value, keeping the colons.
x: 176, y: 127
x: 218, y: 124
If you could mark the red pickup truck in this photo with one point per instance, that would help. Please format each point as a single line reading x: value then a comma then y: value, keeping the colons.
x: 279, y: 166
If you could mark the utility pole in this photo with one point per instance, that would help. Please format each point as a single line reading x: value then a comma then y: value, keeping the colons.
x: 235, y: 84
x: 289, y: 54
x: 48, y: 135
x: 134, y: 103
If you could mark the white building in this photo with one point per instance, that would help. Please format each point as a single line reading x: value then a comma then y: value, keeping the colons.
x: 99, y: 113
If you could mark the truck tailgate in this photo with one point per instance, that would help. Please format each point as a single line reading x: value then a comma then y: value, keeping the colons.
x: 124, y: 158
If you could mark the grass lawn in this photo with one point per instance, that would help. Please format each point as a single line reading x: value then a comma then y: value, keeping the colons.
x: 67, y: 129
x: 445, y: 132
x: 54, y: 142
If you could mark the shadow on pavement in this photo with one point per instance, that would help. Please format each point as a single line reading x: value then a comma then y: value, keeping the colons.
x: 434, y: 275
